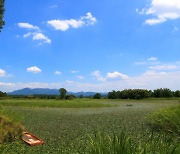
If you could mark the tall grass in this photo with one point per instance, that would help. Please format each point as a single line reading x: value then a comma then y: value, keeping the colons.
x: 167, y: 120
x: 10, y: 128
x: 122, y: 144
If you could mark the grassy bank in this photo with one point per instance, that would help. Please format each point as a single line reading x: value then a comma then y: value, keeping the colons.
x: 10, y: 128
x: 166, y: 119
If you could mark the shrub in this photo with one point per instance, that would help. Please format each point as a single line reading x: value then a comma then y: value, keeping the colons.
x: 69, y: 97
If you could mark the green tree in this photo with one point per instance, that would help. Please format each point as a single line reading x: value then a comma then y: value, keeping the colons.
x: 2, y: 94
x: 1, y: 13
x: 62, y: 92
x: 177, y: 93
x: 81, y: 96
x: 112, y: 95
x: 162, y: 92
x: 97, y: 96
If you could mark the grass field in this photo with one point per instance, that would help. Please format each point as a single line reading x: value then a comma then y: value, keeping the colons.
x: 65, y: 125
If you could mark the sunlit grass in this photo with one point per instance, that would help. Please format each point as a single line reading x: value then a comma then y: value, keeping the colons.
x: 76, y: 103
x: 166, y: 119
x: 10, y: 128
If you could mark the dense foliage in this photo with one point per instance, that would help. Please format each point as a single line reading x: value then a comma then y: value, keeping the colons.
x: 62, y: 92
x: 97, y: 96
x: 1, y: 13
x: 3, y: 94
x: 129, y: 94
x: 162, y: 93
x: 143, y: 93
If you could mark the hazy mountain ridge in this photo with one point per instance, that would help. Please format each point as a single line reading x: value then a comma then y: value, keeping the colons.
x: 47, y: 91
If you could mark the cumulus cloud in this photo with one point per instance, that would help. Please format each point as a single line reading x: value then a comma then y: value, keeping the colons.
x: 28, y: 26
x: 64, y: 25
x: 2, y: 73
x: 161, y: 10
x: 35, y: 33
x: 57, y: 72
x: 40, y: 36
x: 34, y: 69
x: 116, y: 75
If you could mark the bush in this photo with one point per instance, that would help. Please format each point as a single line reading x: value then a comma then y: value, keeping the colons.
x: 2, y: 94
x: 69, y: 97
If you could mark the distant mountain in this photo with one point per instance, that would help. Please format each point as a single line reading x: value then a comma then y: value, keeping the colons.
x: 36, y: 91
x: 46, y: 91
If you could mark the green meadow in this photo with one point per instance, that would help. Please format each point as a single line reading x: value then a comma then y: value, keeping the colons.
x: 82, y: 125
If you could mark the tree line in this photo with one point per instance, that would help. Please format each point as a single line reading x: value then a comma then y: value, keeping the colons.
x: 143, y: 93
x: 124, y: 94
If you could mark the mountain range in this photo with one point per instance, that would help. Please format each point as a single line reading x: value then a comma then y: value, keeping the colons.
x: 47, y: 91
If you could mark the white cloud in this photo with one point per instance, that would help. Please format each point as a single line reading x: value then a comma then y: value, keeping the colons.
x: 2, y: 73
x: 36, y: 34
x: 28, y: 26
x: 161, y: 10
x: 57, y: 72
x: 115, y: 75
x: 80, y: 77
x: 40, y: 36
x: 98, y: 76
x: 152, y: 59
x: 163, y: 67
x: 64, y: 25
x: 27, y: 34
x: 34, y: 69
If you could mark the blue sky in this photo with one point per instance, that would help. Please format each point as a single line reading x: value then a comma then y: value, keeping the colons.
x: 87, y: 45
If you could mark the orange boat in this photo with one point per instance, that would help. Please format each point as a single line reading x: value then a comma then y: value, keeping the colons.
x: 31, y: 139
